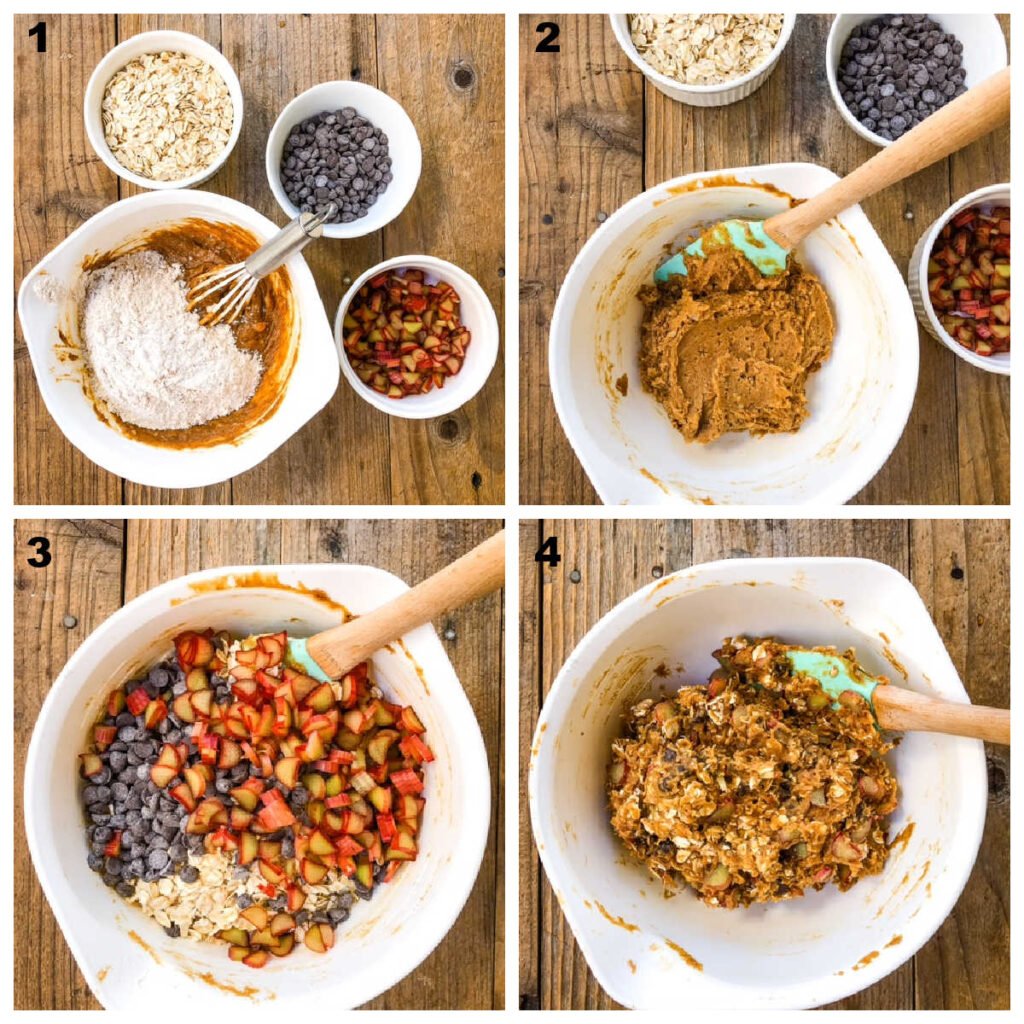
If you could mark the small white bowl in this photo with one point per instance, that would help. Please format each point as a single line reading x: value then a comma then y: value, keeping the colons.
x: 381, y: 110
x: 655, y: 953
x: 984, y: 54
x: 157, y: 42
x: 917, y: 279
x: 703, y: 95
x: 310, y: 386
x: 127, y: 960
x: 859, y: 400
x: 476, y: 313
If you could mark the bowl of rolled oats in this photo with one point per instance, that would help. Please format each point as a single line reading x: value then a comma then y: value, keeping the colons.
x: 163, y: 110
x: 706, y: 60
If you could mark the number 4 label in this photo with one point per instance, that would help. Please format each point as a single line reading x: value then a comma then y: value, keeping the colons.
x: 548, y: 552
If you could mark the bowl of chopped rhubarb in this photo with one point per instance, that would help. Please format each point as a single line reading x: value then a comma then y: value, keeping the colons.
x: 959, y: 279
x: 320, y: 839
x: 417, y: 336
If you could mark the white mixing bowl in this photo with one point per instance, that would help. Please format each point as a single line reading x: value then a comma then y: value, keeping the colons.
x: 859, y: 401
x: 311, y: 384
x: 650, y: 952
x: 128, y: 961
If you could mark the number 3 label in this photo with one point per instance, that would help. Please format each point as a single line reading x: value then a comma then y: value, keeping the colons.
x: 42, y: 558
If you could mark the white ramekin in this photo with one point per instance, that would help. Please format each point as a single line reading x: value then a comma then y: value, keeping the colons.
x: 653, y: 953
x: 917, y: 279
x: 703, y: 95
x: 127, y: 960
x: 476, y: 313
x: 386, y: 114
x: 984, y: 54
x: 157, y: 42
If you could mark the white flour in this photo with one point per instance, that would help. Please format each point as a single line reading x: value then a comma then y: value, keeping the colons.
x: 152, y: 361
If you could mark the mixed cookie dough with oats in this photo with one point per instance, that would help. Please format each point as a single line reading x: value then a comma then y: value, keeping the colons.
x: 167, y: 116
x: 705, y: 49
x: 755, y: 787
x: 727, y: 349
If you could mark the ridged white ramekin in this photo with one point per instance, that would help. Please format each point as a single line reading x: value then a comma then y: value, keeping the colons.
x: 917, y: 279
x: 703, y: 95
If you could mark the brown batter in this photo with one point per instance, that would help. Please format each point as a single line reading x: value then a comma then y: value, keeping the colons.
x: 726, y: 349
x: 265, y: 326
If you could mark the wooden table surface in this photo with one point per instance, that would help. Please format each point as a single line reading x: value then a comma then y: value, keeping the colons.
x: 99, y: 564
x: 961, y: 570
x: 594, y: 135
x: 447, y: 71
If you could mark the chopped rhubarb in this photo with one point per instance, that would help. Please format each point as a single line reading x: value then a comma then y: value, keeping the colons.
x: 971, y: 297
x: 137, y: 701
x: 407, y: 781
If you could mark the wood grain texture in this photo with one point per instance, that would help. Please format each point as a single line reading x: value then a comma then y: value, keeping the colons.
x: 960, y: 568
x: 99, y: 565
x: 595, y: 134
x: 448, y: 73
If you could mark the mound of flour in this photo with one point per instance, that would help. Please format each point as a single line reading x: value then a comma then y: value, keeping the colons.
x: 153, y: 363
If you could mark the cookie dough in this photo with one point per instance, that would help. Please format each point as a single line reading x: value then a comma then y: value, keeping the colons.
x: 756, y: 787
x: 726, y: 349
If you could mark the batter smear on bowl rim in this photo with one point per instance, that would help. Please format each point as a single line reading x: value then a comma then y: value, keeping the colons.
x: 727, y: 349
x: 235, y: 799
x: 755, y: 787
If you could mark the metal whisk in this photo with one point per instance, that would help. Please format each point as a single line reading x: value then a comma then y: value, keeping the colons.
x: 225, y: 292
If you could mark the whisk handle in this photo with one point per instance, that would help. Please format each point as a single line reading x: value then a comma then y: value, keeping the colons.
x: 289, y: 240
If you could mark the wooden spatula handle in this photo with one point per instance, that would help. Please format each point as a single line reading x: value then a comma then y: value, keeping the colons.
x: 904, y: 710
x: 475, y: 574
x: 978, y: 111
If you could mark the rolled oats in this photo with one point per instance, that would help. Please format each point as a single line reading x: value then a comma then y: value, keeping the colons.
x: 167, y: 116
x: 207, y: 906
x: 704, y: 49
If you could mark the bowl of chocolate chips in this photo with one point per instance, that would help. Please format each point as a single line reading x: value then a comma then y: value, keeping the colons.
x: 888, y: 72
x: 347, y: 144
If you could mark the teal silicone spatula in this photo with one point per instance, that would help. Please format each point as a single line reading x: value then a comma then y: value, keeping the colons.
x: 768, y: 243
x: 331, y: 654
x: 897, y: 708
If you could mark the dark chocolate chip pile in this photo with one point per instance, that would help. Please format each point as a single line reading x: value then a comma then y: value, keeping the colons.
x: 896, y: 70
x: 122, y: 798
x: 338, y: 157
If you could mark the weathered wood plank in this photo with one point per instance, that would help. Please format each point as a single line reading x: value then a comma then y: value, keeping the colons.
x: 61, y: 183
x: 962, y: 570
x: 449, y: 74
x: 581, y: 156
x: 55, y: 609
